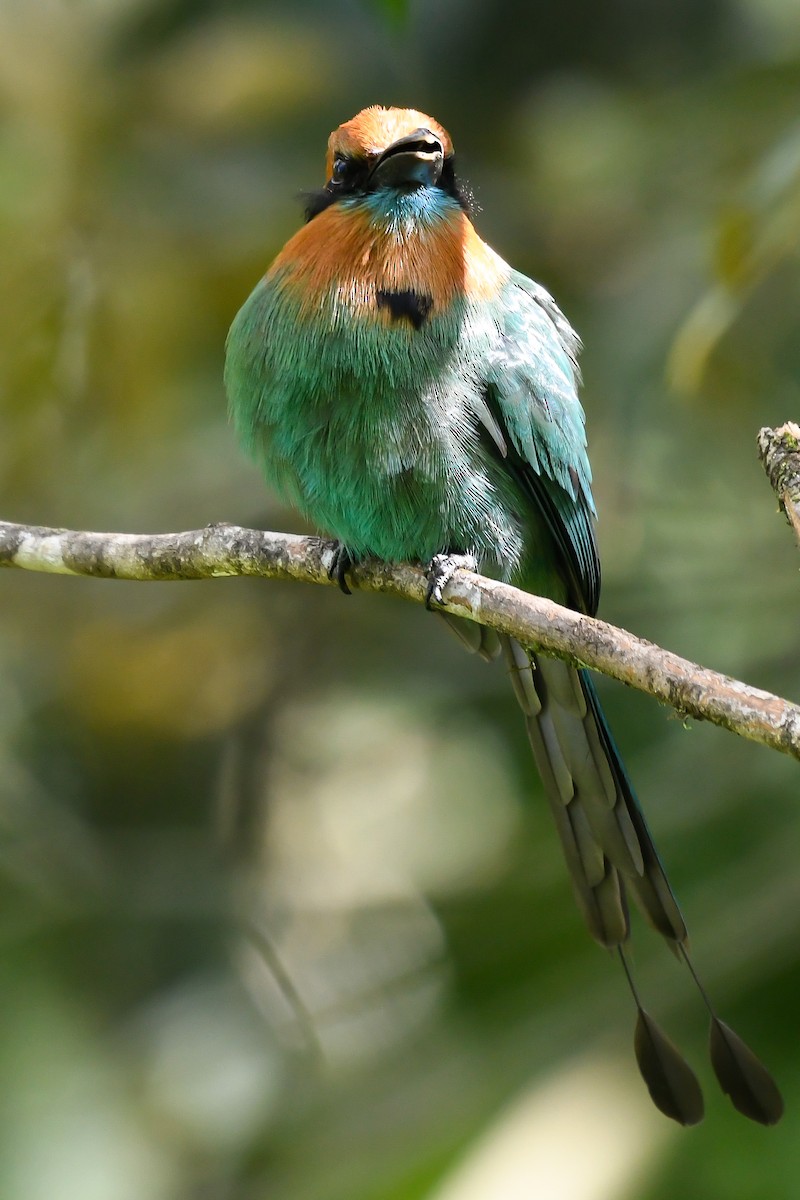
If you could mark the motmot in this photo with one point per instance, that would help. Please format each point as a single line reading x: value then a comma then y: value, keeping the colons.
x: 416, y: 398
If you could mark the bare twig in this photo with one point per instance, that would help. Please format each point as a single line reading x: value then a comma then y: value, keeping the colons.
x: 226, y: 550
x: 779, y: 451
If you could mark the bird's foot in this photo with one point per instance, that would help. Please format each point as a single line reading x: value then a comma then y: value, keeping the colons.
x: 440, y: 570
x: 342, y: 561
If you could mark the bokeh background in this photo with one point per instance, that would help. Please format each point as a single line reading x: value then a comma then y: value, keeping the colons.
x: 282, y: 913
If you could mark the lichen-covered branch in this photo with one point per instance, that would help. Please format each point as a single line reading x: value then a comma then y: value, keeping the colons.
x: 779, y: 451
x: 227, y: 550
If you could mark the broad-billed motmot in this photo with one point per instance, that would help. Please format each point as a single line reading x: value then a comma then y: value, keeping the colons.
x: 415, y: 397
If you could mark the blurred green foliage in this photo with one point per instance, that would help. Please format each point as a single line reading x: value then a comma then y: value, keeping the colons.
x: 282, y: 912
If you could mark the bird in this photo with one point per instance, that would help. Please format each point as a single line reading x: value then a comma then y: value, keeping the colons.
x: 416, y: 399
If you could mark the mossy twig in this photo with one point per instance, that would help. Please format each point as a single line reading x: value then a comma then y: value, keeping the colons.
x: 229, y: 550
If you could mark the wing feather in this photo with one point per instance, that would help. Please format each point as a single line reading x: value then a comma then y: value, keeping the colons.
x: 532, y: 401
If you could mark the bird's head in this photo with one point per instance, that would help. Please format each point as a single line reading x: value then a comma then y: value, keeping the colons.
x: 395, y: 149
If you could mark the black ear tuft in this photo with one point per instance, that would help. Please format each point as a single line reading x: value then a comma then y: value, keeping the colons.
x: 457, y: 188
x: 316, y: 202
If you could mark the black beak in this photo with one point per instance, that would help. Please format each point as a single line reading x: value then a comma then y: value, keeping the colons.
x: 412, y: 161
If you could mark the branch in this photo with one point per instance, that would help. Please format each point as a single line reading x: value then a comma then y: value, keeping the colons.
x: 226, y: 550
x: 779, y: 451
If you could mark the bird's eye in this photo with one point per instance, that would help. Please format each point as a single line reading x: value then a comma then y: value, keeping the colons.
x: 340, y: 168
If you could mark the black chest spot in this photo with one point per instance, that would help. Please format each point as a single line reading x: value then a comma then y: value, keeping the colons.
x: 412, y: 305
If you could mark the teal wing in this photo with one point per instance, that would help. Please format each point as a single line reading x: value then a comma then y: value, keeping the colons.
x: 537, y: 422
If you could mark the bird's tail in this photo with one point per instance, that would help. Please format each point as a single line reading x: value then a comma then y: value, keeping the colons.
x: 603, y: 834
x: 610, y: 852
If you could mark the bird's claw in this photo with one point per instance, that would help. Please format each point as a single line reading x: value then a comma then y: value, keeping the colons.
x: 440, y: 570
x: 342, y: 561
